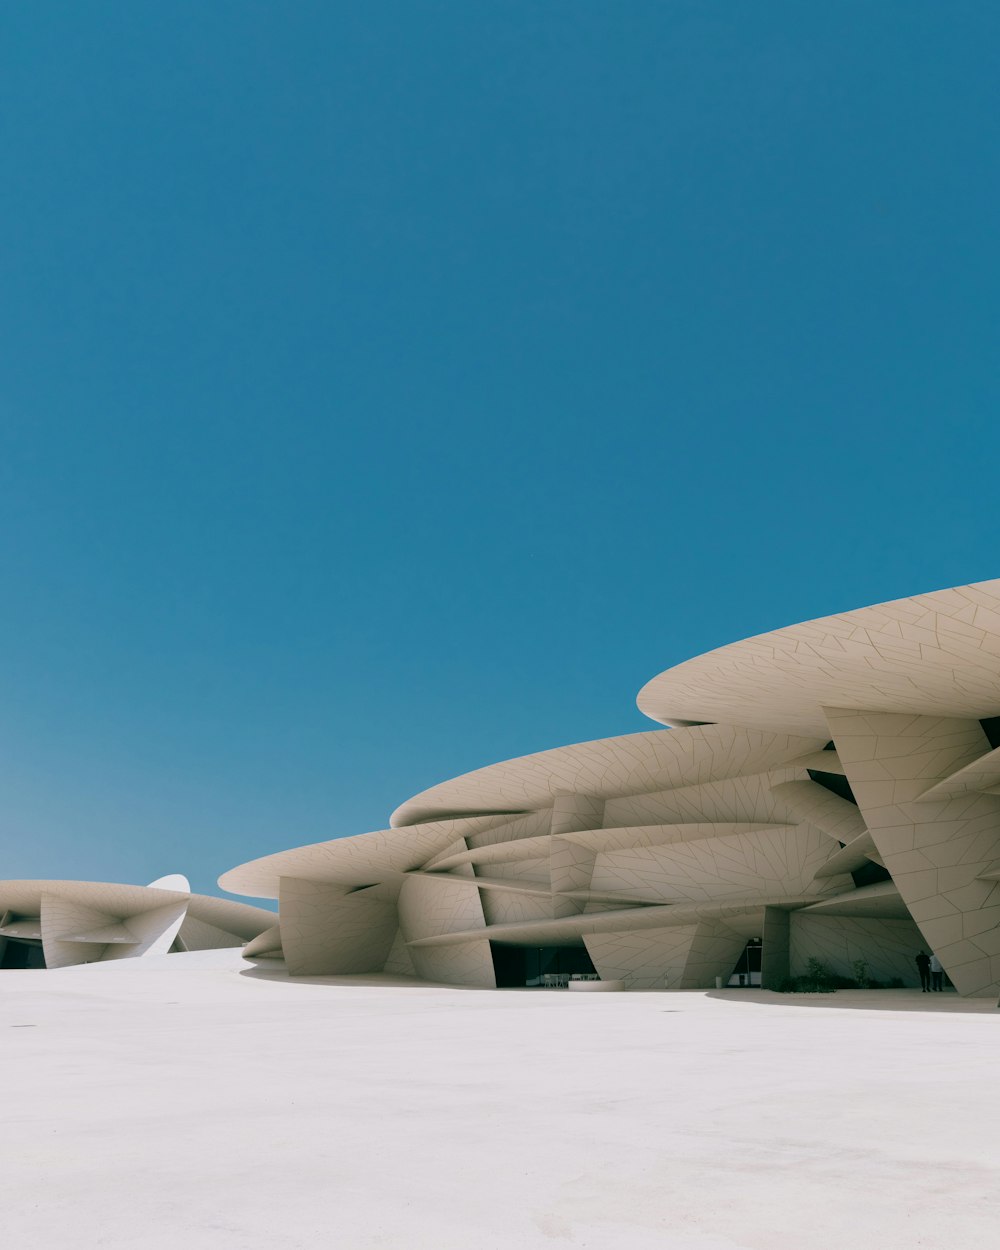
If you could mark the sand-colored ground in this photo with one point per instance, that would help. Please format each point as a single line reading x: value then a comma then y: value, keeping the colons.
x: 176, y: 1103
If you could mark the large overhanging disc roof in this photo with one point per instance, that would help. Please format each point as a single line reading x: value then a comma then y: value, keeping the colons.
x: 242, y: 919
x: 365, y: 859
x: 936, y: 654
x: 604, y: 768
x: 121, y: 900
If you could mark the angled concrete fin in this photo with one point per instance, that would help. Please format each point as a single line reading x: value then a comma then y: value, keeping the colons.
x: 326, y: 930
x: 935, y: 850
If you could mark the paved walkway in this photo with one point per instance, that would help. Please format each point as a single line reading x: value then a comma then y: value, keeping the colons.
x: 180, y: 1104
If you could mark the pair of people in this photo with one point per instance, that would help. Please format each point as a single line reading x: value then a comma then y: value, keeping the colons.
x: 931, y: 972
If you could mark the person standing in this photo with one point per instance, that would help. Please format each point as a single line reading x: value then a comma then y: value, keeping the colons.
x: 923, y: 967
x: 936, y: 973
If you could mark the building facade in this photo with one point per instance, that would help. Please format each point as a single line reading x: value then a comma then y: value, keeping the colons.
x: 54, y: 924
x: 829, y: 791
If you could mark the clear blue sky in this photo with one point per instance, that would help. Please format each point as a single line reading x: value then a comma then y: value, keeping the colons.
x: 388, y: 389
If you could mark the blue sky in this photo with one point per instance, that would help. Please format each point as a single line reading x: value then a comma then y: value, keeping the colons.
x: 390, y: 389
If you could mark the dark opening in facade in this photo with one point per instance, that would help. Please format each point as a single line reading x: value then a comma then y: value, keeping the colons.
x: 747, y: 970
x: 18, y: 954
x: 541, y: 967
x: 835, y: 783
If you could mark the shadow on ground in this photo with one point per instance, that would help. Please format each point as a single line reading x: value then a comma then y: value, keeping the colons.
x: 948, y: 1002
x: 864, y: 1000
x: 275, y: 970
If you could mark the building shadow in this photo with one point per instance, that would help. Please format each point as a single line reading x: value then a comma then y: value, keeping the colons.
x: 946, y: 1002
x: 276, y: 972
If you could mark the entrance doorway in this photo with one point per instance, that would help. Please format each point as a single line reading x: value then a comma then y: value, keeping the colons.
x: 747, y: 970
x: 19, y: 954
x: 517, y: 967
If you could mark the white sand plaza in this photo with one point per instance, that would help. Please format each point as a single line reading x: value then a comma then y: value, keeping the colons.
x: 172, y: 1101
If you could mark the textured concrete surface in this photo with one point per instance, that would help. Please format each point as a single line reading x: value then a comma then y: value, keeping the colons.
x: 171, y: 1101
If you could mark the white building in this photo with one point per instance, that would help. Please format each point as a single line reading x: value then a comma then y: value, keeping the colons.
x: 828, y: 791
x: 54, y: 924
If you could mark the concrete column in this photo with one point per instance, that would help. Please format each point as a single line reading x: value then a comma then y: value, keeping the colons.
x: 776, y: 945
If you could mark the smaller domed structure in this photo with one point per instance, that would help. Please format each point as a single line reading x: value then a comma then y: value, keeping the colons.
x: 54, y: 924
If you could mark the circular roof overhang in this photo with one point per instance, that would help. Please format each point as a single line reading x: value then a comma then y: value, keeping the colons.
x: 933, y: 654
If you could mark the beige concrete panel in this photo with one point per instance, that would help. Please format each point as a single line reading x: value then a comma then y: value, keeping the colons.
x: 115, y: 932
x: 507, y: 907
x: 266, y: 945
x: 532, y: 849
x: 526, y: 859
x: 327, y: 930
x: 576, y: 811
x: 520, y: 828
x: 809, y: 801
x: 774, y: 862
x: 891, y: 760
x: 821, y: 762
x: 458, y: 848
x: 239, y: 919
x: 196, y: 935
x: 399, y: 963
x: 888, y: 946
x: 633, y: 764
x: 107, y: 897
x: 124, y: 921
x: 982, y: 774
x: 591, y: 897
x: 504, y: 900
x: 933, y: 654
x: 466, y: 963
x: 749, y: 923
x: 570, y: 864
x: 738, y: 800
x: 653, y: 959
x: 504, y: 885
x: 881, y: 901
x: 567, y: 929
x: 361, y: 860
x: 73, y: 932
x: 685, y: 957
x: 622, y: 838
x: 60, y: 916
x: 714, y: 953
x: 430, y: 906
x: 21, y: 926
x: 855, y: 855
x: 153, y: 931
x: 523, y: 871
x: 571, y: 867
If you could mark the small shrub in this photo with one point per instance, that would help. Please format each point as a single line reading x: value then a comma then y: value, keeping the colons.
x: 817, y: 979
